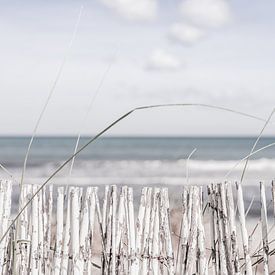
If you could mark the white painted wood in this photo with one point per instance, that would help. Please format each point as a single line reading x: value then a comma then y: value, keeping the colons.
x: 192, y: 241
x: 113, y: 245
x: 2, y: 193
x: 184, y: 233
x: 104, y: 212
x: 34, y: 240
x: 226, y: 230
x: 120, y: 221
x: 5, y: 204
x: 84, y: 241
x: 221, y: 235
x: 273, y: 198
x: 232, y: 226
x: 155, y: 233
x: 140, y: 227
x: 67, y: 238
x: 167, y: 231
x: 59, y: 231
x: 132, y: 233
x: 213, y: 230
x: 248, y: 264
x: 264, y: 225
x: 146, y: 231
x: 48, y: 254
x: 75, y: 230
x: 138, y: 248
x: 40, y: 232
x: 92, y: 221
x: 203, y: 265
x: 21, y: 263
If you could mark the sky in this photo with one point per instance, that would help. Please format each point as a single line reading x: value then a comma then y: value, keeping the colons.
x: 128, y: 53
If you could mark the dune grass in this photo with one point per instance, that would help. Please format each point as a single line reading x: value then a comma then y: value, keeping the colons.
x: 51, y: 92
x: 44, y: 108
x: 256, y: 142
x: 90, y: 106
x: 116, y: 122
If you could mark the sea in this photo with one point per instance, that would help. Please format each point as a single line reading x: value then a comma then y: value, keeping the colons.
x: 142, y: 161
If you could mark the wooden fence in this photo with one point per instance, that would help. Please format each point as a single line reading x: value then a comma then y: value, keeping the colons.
x: 70, y: 231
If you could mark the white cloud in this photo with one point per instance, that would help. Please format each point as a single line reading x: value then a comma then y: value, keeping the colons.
x: 163, y: 61
x: 186, y: 34
x: 133, y: 9
x: 206, y: 13
x: 199, y: 16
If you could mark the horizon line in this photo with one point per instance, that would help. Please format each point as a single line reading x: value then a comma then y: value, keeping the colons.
x: 135, y: 136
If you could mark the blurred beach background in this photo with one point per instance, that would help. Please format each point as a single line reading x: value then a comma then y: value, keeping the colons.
x: 86, y: 63
x: 99, y: 59
x: 96, y: 60
x: 141, y: 160
x: 144, y: 161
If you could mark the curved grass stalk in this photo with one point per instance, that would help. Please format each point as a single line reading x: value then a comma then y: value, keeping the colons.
x: 6, y: 170
x: 258, y: 247
x: 255, y: 228
x: 187, y: 165
x: 59, y: 72
x: 255, y: 144
x: 256, y: 253
x: 111, y: 126
x: 56, y: 80
x: 249, y: 207
x: 248, y: 156
x: 93, y: 98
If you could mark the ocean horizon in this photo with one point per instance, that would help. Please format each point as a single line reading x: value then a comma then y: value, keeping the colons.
x: 141, y: 159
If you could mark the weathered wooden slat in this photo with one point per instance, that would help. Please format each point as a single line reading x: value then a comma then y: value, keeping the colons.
x: 59, y: 231
x: 248, y: 263
x: 130, y: 246
x: 264, y: 229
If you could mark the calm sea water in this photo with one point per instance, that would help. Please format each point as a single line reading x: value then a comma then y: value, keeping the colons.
x: 140, y: 160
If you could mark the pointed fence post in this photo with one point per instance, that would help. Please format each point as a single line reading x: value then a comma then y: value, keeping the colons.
x: 273, y: 198
x: 40, y: 232
x: 184, y: 233
x: 152, y: 238
x: 75, y: 230
x: 248, y: 264
x: 213, y: 229
x: 132, y: 234
x: 92, y: 219
x: 5, y: 205
x: 264, y: 228
x: 226, y: 230
x: 47, y: 214
x: 67, y: 238
x: 203, y: 266
x: 232, y: 226
x: 140, y: 226
x: 156, y: 240
x: 192, y: 241
x: 144, y: 247
x: 84, y: 243
x: 35, y: 232
x: 59, y: 231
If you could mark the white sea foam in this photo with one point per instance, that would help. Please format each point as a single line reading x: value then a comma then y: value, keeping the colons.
x: 154, y: 171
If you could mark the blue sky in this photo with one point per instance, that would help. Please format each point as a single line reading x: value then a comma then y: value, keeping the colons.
x: 201, y: 51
